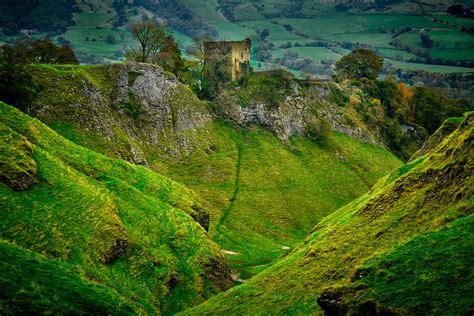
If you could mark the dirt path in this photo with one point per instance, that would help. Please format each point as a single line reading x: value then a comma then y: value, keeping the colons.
x: 236, y: 191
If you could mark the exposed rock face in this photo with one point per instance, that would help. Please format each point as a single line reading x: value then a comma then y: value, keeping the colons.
x: 298, y: 111
x: 143, y: 113
x: 285, y: 121
x: 137, y: 106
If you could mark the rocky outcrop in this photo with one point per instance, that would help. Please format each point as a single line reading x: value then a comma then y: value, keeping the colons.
x: 139, y: 109
x: 301, y: 109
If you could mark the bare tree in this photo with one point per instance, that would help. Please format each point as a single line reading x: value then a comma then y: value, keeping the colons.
x: 197, y: 48
x: 150, y: 37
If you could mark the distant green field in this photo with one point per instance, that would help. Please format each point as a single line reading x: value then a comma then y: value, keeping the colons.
x: 233, y: 32
x: 99, y: 47
x: 90, y: 20
x: 394, y: 53
x: 447, y: 44
x: 443, y: 38
x: 263, y: 66
x: 182, y: 39
x: 429, y: 68
x: 90, y: 33
x: 316, y: 53
x: 456, y: 21
x: 278, y: 34
x: 454, y: 54
x: 207, y: 10
x: 375, y: 30
x: 376, y: 40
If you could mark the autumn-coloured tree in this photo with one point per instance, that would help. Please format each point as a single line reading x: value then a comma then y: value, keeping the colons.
x: 406, y: 107
x: 169, y: 56
x: 151, y: 37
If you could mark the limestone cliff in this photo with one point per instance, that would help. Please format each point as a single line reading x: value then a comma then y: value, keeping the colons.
x: 142, y: 114
x: 139, y: 109
x: 296, y: 111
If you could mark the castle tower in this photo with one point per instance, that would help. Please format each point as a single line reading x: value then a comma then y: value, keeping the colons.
x: 226, y: 61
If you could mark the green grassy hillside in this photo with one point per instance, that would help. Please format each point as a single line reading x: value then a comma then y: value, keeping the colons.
x: 267, y: 195
x: 83, y: 233
x: 264, y: 195
x: 404, y: 247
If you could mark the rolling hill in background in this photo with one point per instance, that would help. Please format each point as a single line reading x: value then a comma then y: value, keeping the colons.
x: 306, y: 37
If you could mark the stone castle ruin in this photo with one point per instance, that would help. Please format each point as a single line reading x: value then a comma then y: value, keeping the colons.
x: 226, y: 61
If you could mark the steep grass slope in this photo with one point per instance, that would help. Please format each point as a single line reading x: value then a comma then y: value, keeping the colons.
x: 264, y: 195
x: 405, y: 247
x: 83, y: 233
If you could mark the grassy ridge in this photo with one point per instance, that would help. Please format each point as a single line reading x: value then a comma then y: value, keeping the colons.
x: 102, y: 224
x: 419, y: 215
x: 414, y: 277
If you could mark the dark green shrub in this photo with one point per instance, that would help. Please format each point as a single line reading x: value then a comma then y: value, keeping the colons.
x: 318, y: 130
x: 338, y: 96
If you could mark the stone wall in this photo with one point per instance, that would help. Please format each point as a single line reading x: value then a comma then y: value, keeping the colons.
x: 226, y: 61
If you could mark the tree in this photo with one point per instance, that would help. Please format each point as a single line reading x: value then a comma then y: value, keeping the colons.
x: 44, y: 51
x: 16, y: 83
x: 110, y: 39
x: 197, y: 48
x: 432, y: 108
x: 360, y: 63
x: 169, y: 56
x: 65, y: 55
x: 426, y: 40
x: 264, y: 34
x: 150, y: 37
x: 195, y: 69
x: 456, y: 9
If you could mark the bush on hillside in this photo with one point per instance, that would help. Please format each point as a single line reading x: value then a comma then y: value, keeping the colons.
x: 318, y: 130
x: 432, y: 108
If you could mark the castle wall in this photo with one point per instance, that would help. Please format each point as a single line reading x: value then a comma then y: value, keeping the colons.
x: 226, y: 61
x: 240, y: 58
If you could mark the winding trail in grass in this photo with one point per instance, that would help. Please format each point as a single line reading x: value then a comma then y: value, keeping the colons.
x: 236, y: 191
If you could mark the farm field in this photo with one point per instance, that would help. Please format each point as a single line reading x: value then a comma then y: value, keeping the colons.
x: 375, y: 32
x: 317, y: 53
x: 206, y: 10
x: 338, y: 31
x: 232, y: 32
x: 395, y: 54
x: 429, y: 68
